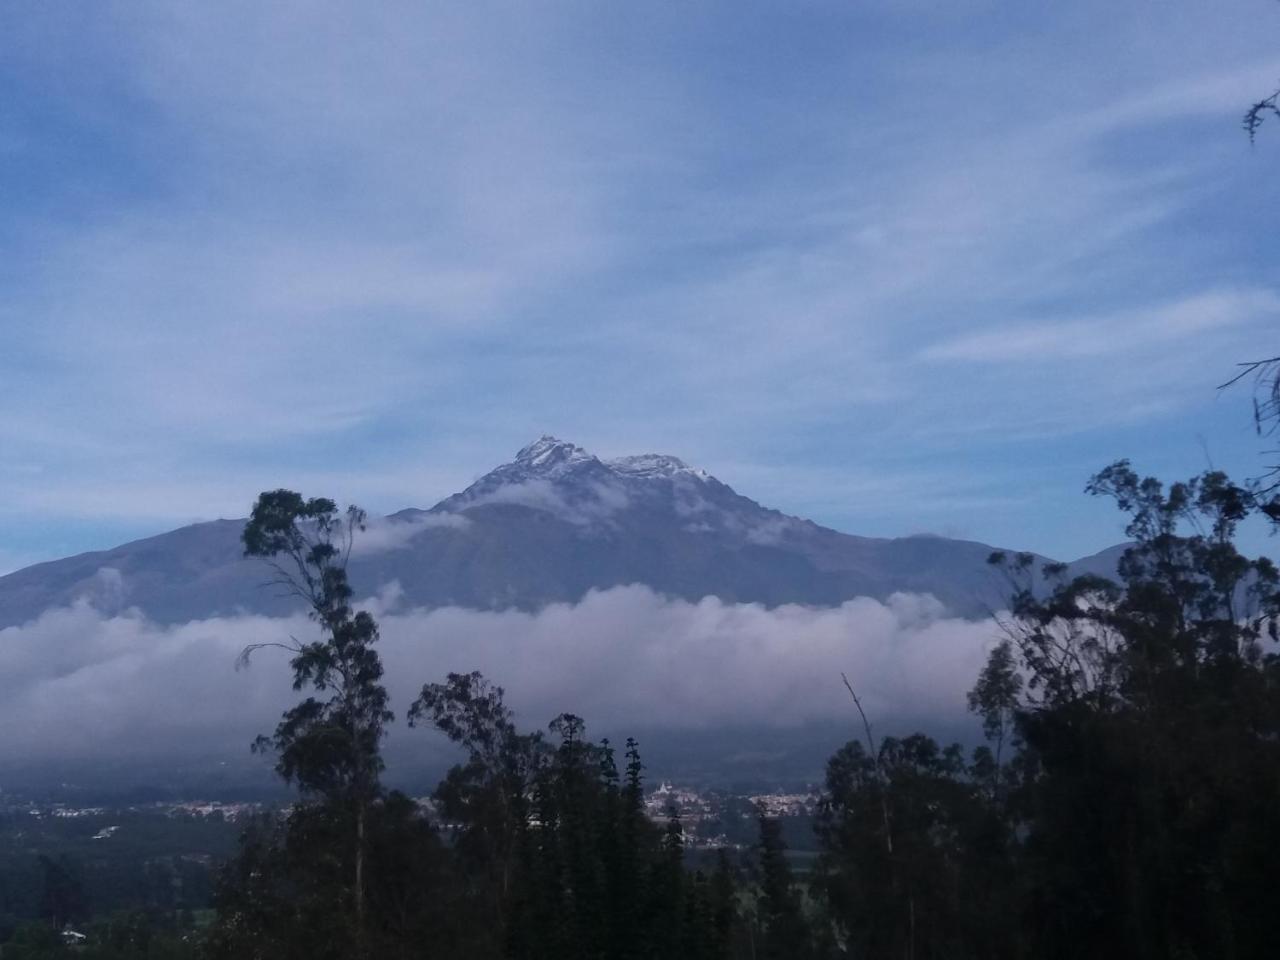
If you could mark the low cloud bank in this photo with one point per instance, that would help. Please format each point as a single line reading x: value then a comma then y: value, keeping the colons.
x: 604, y: 500
x: 384, y: 534
x: 76, y: 682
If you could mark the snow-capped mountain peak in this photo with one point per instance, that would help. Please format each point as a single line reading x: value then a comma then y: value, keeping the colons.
x: 547, y: 527
x: 559, y: 477
x: 551, y: 458
x: 548, y: 453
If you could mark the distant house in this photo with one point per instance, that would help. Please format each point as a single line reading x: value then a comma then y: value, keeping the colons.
x: 73, y: 938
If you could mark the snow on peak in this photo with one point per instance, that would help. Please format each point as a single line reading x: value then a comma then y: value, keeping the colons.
x: 561, y: 478
x: 548, y: 452
x: 653, y: 465
x: 551, y: 457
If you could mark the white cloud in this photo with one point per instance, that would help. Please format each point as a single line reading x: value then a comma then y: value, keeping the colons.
x: 626, y: 656
x: 603, y: 500
x: 1141, y: 329
x: 77, y: 683
x: 773, y: 531
x: 384, y: 534
x: 432, y: 232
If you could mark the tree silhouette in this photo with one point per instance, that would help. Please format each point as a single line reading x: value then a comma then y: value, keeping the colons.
x: 328, y: 746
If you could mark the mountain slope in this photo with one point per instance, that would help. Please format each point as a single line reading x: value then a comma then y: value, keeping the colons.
x: 544, y: 528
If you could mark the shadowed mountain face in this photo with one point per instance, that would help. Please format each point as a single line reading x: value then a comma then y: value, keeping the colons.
x: 545, y: 528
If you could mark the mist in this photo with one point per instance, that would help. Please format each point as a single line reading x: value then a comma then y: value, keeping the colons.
x: 78, y: 683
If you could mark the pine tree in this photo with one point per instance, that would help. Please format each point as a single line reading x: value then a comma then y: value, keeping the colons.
x: 723, y: 901
x: 666, y: 914
x: 785, y: 931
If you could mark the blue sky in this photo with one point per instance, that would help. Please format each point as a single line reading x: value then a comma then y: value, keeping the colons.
x: 892, y: 265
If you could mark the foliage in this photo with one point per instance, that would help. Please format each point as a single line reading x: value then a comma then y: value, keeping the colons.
x: 1151, y: 722
x: 1135, y: 816
x: 930, y: 892
x: 1259, y: 112
x: 1266, y: 418
x: 553, y: 843
x: 784, y: 930
x: 130, y: 935
x: 329, y: 746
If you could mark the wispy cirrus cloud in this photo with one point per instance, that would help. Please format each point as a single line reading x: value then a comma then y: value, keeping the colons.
x: 250, y: 245
x: 1146, y: 328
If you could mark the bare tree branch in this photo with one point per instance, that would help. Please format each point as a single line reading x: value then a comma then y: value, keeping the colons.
x: 1262, y: 110
x: 242, y: 661
x: 875, y: 757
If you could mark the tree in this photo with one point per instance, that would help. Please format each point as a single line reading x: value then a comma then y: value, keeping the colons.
x: 63, y: 899
x: 995, y: 698
x: 786, y: 933
x: 489, y: 796
x: 1150, y: 722
x: 36, y: 941
x: 329, y: 746
x: 724, y: 908
x: 630, y: 886
x: 553, y: 844
x: 1264, y: 373
x: 943, y: 889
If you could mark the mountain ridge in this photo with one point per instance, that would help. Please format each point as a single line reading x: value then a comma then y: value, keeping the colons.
x: 545, y: 527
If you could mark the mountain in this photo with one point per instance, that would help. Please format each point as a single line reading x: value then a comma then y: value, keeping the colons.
x: 547, y: 527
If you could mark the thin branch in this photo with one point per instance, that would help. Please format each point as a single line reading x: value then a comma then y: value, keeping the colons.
x: 242, y: 661
x: 1259, y: 112
x: 1248, y: 367
x: 866, y: 724
x: 875, y: 757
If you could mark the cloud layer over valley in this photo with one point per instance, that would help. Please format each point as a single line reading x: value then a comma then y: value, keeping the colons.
x: 77, y: 683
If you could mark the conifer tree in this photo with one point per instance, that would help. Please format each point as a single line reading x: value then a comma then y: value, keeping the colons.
x: 785, y: 931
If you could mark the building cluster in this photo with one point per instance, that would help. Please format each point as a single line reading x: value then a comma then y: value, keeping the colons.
x: 714, y: 819
x: 211, y: 808
x: 786, y: 804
